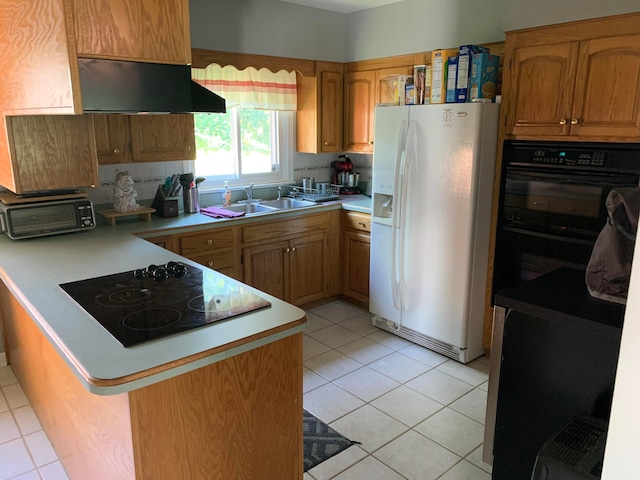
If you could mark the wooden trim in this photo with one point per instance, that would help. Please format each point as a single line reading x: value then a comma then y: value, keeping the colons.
x: 389, y: 62
x: 200, y: 58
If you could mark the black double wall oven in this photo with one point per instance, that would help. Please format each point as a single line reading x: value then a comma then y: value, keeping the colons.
x: 552, y: 204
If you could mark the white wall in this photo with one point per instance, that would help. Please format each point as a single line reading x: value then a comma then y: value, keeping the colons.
x: 418, y: 25
x: 421, y: 25
x: 268, y: 27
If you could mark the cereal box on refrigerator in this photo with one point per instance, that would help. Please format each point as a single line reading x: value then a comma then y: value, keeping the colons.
x: 419, y: 72
x: 439, y: 59
x: 484, y: 76
x: 465, y: 58
x: 452, y: 66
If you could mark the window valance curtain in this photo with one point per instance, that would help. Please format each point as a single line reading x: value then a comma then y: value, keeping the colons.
x: 249, y: 88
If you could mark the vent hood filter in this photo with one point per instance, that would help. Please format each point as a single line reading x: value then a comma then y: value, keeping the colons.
x: 113, y: 86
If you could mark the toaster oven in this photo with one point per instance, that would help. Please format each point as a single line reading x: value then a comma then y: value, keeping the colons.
x: 38, y: 219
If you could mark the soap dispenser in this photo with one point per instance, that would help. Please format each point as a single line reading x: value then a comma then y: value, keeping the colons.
x: 226, y: 197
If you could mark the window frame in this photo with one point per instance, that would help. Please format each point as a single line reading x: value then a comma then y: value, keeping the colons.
x: 282, y: 145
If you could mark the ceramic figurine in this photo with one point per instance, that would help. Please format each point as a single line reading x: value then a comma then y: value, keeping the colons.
x: 124, y: 195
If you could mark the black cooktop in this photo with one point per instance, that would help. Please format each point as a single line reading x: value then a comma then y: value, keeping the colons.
x: 157, y: 301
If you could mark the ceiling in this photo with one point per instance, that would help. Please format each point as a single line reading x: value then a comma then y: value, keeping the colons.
x: 342, y: 6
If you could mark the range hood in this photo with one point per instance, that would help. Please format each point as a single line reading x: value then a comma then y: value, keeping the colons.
x: 114, y: 86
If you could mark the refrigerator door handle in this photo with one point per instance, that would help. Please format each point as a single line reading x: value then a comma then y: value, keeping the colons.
x: 396, y: 213
x: 411, y: 155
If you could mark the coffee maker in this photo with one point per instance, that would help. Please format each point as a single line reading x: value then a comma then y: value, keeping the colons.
x: 342, y: 174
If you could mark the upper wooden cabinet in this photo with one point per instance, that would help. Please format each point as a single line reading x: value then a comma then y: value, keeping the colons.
x: 49, y: 153
x: 580, y: 80
x: 144, y: 138
x: 319, y: 114
x: 40, y: 72
x: 148, y: 30
x: 359, y: 106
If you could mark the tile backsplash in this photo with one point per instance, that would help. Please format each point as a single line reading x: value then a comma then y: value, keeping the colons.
x: 148, y: 175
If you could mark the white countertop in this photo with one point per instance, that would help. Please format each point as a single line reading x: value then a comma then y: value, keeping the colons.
x: 33, y: 269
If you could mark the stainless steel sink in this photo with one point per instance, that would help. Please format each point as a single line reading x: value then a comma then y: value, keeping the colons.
x: 287, y: 203
x: 250, y: 208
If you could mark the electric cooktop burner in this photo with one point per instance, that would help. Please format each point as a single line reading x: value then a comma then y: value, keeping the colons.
x: 157, y: 301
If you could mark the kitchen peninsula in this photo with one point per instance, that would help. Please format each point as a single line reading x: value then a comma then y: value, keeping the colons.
x: 217, y: 402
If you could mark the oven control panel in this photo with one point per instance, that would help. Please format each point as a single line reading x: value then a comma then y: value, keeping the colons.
x: 569, y: 158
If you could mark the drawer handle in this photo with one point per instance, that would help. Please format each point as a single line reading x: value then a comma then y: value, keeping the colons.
x: 209, y: 242
x: 211, y: 264
x: 574, y: 121
x: 187, y: 148
x: 563, y: 121
x: 116, y: 151
x: 361, y: 223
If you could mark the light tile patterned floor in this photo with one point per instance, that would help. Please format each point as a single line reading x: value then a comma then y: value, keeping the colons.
x: 25, y: 450
x: 418, y: 414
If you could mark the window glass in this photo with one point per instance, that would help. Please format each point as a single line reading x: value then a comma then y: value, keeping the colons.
x: 244, y: 146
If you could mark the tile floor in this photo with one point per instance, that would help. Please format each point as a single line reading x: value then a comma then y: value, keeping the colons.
x: 418, y: 414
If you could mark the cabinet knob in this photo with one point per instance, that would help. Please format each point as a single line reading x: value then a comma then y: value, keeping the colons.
x: 211, y: 264
x: 574, y: 121
x: 361, y: 223
x: 187, y: 148
x: 209, y: 242
x: 293, y: 249
x: 116, y: 151
x: 563, y: 121
x: 370, y: 143
x: 326, y: 143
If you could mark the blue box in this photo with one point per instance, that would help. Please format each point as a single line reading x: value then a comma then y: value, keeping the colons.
x: 484, y: 76
x: 452, y: 67
x: 465, y: 59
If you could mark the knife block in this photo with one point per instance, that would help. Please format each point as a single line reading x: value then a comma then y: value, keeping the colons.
x: 165, y: 206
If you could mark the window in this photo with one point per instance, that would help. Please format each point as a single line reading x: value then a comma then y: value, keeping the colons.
x: 244, y: 146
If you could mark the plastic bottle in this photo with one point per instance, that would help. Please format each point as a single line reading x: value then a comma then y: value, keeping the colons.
x: 226, y: 197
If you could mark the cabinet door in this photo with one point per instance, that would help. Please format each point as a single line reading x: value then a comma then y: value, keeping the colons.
x: 157, y: 138
x: 155, y: 31
x: 308, y: 270
x: 356, y: 248
x: 111, y: 142
x: 359, y: 105
x: 541, y: 90
x: 266, y: 267
x: 607, y: 93
x: 330, y: 112
x: 383, y: 95
x: 51, y: 152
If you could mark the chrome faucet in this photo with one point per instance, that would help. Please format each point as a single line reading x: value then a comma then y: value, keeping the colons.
x: 249, y: 191
x: 279, y: 193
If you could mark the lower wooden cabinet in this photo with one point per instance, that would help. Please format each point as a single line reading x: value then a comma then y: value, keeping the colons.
x: 216, y: 248
x: 294, y: 269
x: 356, y: 247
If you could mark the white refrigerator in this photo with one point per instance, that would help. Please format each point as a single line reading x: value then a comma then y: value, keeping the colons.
x: 433, y: 170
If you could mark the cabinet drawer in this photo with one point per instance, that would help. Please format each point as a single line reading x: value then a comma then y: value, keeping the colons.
x: 215, y: 260
x: 356, y: 221
x: 284, y: 228
x: 214, y: 239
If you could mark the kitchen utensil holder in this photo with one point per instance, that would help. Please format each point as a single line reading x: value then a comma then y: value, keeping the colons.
x: 165, y: 205
x: 191, y: 200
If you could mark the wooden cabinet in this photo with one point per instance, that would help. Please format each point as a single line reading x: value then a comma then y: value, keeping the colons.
x: 289, y: 259
x: 382, y: 95
x: 147, y: 138
x: 359, y: 106
x: 48, y: 153
x: 584, y: 84
x: 319, y: 113
x: 148, y: 30
x: 216, y: 248
x: 356, y: 247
